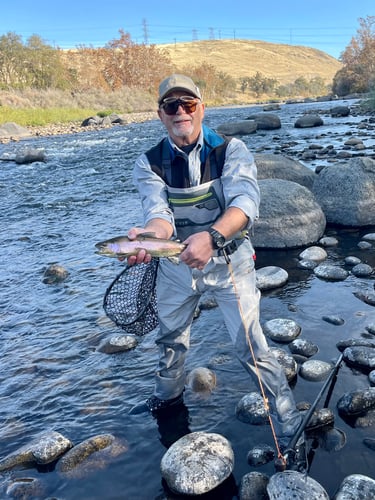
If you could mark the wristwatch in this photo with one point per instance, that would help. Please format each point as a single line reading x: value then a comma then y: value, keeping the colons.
x: 218, y: 239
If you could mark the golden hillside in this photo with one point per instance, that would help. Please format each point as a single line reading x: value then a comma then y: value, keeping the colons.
x: 243, y: 58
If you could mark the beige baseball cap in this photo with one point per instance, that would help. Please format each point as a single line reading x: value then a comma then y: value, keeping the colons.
x: 178, y: 82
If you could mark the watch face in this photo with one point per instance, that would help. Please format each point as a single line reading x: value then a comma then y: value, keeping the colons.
x: 217, y: 238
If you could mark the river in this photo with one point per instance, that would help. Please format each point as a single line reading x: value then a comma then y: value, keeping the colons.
x: 52, y: 375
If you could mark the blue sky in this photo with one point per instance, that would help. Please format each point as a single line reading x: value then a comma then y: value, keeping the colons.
x: 326, y: 25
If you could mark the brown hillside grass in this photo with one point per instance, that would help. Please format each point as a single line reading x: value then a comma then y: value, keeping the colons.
x: 244, y: 58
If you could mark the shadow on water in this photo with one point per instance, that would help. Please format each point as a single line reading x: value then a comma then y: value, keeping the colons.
x: 54, y: 378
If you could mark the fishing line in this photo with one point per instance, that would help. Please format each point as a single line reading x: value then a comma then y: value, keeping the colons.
x: 265, y: 399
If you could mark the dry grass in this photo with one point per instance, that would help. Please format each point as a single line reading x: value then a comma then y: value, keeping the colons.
x: 244, y: 58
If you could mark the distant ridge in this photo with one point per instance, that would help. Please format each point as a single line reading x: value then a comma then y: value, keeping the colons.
x: 244, y: 58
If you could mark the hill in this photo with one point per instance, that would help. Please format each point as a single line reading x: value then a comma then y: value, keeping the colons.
x: 244, y: 58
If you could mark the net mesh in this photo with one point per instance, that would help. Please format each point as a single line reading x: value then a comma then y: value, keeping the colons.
x: 130, y: 300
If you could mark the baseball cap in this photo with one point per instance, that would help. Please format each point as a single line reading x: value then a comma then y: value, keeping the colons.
x: 178, y: 82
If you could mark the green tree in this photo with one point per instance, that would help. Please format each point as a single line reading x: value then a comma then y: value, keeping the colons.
x: 12, y: 53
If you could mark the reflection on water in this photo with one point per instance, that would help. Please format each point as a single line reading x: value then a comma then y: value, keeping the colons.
x: 52, y: 375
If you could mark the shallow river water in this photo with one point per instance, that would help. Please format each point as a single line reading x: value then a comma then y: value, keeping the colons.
x: 54, y: 378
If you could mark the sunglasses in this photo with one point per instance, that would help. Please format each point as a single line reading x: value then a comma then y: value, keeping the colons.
x: 171, y: 104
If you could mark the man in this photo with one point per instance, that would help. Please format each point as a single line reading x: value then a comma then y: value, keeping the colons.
x: 201, y: 188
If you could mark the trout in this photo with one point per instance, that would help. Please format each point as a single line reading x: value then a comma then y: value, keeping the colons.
x: 122, y: 246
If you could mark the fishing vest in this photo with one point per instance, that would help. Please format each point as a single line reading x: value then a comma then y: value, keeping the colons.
x: 195, y: 208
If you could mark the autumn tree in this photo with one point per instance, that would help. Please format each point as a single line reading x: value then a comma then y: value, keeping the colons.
x: 358, y: 73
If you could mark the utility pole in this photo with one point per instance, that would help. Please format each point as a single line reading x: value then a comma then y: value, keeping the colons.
x: 145, y: 31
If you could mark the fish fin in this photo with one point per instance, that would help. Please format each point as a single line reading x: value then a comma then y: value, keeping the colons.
x: 174, y: 260
x: 146, y: 235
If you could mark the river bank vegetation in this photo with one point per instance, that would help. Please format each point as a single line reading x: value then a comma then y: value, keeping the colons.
x: 41, y: 84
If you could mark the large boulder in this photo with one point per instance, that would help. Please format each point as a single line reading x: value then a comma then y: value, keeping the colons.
x: 289, y: 216
x: 266, y: 121
x: 346, y: 192
x: 273, y: 166
x: 244, y: 127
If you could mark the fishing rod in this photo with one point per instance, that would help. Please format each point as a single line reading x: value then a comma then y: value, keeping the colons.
x: 331, y: 381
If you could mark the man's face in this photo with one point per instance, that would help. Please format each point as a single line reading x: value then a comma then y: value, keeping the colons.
x: 184, y: 125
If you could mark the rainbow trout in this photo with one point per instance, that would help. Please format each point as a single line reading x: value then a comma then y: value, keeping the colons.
x: 123, y: 247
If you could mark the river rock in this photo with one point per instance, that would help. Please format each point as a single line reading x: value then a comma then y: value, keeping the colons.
x: 351, y: 260
x: 253, y: 486
x: 362, y: 270
x: 292, y: 484
x: 266, y: 121
x: 260, y: 455
x: 369, y: 237
x: 334, y: 320
x: 24, y: 488
x: 343, y: 344
x: 356, y: 403
x: 89, y: 455
x: 289, y: 216
x: 356, y: 487
x: 303, y: 347
x: 201, y: 380
x: 308, y: 120
x: 340, y: 110
x: 281, y: 330
x: 44, y: 449
x: 55, y: 274
x: 287, y: 361
x: 314, y: 253
x: 277, y: 166
x: 331, y: 439
x: 328, y: 241
x: 330, y: 272
x: 270, y: 277
x: 371, y: 377
x: 366, y: 297
x: 118, y: 343
x: 30, y: 155
x: 197, y: 463
x: 346, y: 192
x: 361, y: 357
x: 251, y: 410
x: 315, y: 370
x: 321, y: 417
x: 244, y: 127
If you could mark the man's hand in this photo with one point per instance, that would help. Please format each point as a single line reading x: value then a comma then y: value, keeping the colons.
x: 199, y: 250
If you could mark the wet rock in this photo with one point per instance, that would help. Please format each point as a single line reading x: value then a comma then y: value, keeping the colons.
x: 371, y: 328
x: 25, y: 488
x: 90, y: 455
x: 321, y: 417
x: 371, y: 377
x: 287, y: 362
x: 250, y: 409
x: 278, y: 166
x: 307, y: 264
x: 364, y: 245
x: 330, y: 273
x: 369, y: 237
x: 197, y: 463
x: 281, y: 330
x: 356, y: 486
x: 308, y: 120
x: 260, y: 455
x: 253, y: 486
x: 270, y: 277
x: 331, y: 439
x: 346, y: 192
x: 340, y: 111
x: 361, y: 357
x: 314, y: 253
x: 328, y: 241
x: 243, y: 127
x: 289, y: 216
x: 291, y: 484
x: 44, y: 449
x: 356, y: 403
x: 352, y: 260
x: 366, y: 297
x: 334, y: 320
x: 362, y: 270
x: 343, y: 344
x: 315, y: 370
x: 303, y: 347
x: 266, y: 121
x: 119, y: 343
x: 201, y: 379
x: 30, y: 155
x: 55, y: 274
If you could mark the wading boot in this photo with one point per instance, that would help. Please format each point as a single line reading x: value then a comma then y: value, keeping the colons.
x: 156, y: 406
